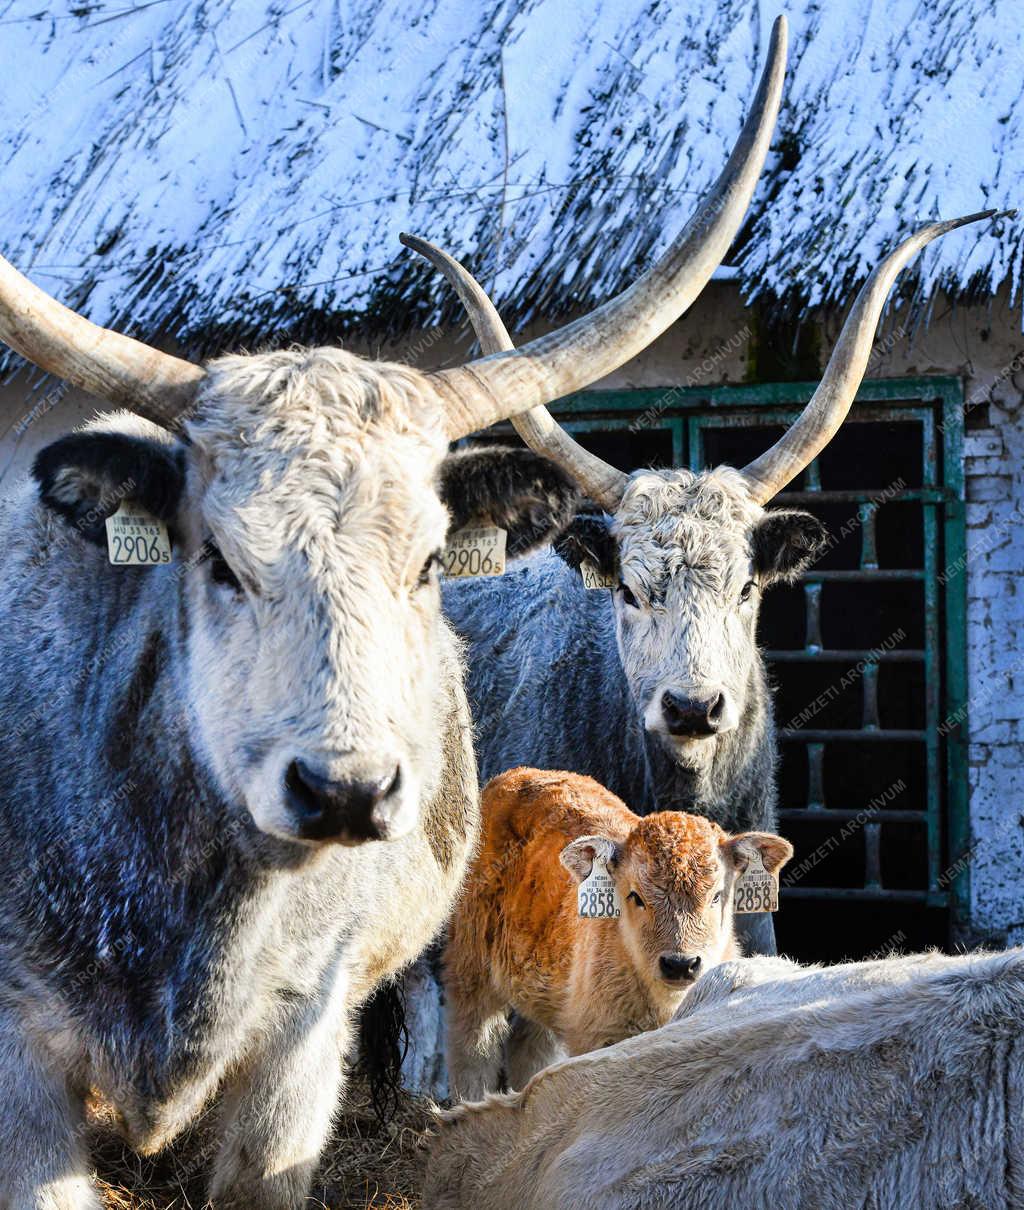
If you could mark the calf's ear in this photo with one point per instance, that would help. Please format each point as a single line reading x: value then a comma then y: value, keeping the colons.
x: 773, y: 850
x: 589, y: 539
x: 85, y: 476
x: 579, y: 855
x: 517, y: 490
x: 786, y: 541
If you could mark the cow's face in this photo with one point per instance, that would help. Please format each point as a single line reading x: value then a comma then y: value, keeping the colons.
x: 308, y: 522
x: 675, y: 875
x: 692, y: 555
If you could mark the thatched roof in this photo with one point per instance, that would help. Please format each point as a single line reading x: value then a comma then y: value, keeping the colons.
x: 243, y: 167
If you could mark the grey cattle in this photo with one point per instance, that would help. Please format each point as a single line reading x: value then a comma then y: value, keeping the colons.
x: 656, y: 689
x: 237, y: 789
x: 190, y: 791
x: 898, y: 1083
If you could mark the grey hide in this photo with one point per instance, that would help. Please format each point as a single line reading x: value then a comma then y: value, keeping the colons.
x: 893, y: 1085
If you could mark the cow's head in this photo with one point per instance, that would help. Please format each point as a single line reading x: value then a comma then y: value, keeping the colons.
x: 692, y: 553
x: 675, y: 874
x: 309, y: 500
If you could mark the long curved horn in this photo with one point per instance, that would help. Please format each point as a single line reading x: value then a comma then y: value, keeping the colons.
x: 598, y: 479
x: 827, y: 408
x: 494, y: 388
x: 94, y: 359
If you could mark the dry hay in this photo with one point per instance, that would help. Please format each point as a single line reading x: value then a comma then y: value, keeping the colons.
x: 365, y: 1164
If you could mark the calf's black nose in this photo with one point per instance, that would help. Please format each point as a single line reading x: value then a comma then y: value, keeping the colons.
x: 337, y: 810
x: 692, y: 716
x: 678, y: 967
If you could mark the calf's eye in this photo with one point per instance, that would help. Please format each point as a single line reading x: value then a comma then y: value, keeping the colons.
x: 746, y: 590
x: 635, y: 898
x: 717, y: 898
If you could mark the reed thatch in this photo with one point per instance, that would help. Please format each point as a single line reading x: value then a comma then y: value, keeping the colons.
x: 225, y: 171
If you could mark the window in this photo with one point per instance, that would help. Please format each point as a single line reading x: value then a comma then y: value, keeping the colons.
x: 868, y: 652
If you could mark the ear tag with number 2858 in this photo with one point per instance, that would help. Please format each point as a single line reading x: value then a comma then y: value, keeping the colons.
x: 596, y: 896
x: 756, y: 890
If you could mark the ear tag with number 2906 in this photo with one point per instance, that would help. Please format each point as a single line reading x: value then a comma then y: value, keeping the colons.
x: 135, y: 538
x: 596, y: 896
x: 476, y: 551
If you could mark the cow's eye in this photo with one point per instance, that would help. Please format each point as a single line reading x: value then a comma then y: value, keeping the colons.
x: 628, y: 597
x: 429, y: 567
x: 746, y: 590
x: 636, y: 899
x: 717, y: 897
x: 220, y: 572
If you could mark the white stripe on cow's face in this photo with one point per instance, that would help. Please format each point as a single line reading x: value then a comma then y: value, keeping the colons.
x: 315, y: 475
x: 686, y: 626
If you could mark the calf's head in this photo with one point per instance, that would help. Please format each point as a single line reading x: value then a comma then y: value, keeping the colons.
x: 675, y: 874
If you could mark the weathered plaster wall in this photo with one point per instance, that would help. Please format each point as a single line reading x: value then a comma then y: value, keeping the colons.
x: 983, y: 345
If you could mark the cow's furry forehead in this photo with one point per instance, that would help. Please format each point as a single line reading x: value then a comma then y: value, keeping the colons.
x: 669, y: 520
x: 679, y: 851
x: 309, y: 399
x: 343, y: 436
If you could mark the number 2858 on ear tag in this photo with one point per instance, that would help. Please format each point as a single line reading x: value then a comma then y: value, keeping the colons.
x: 596, y: 896
x: 135, y: 538
x: 756, y: 890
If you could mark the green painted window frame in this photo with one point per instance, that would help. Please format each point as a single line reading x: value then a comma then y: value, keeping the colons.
x: 671, y: 408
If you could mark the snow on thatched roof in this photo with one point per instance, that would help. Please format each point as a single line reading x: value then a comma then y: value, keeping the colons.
x: 236, y: 167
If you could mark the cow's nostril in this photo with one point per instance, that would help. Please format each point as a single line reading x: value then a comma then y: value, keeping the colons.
x: 679, y: 967
x: 303, y: 793
x: 717, y: 709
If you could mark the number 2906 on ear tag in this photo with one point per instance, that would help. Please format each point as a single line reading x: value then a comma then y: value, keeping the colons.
x: 596, y: 896
x: 135, y: 538
x: 478, y: 551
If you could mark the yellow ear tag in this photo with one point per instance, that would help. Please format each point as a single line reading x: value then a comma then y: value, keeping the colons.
x: 593, y: 577
x: 596, y: 896
x: 756, y: 890
x: 476, y: 551
x: 135, y: 538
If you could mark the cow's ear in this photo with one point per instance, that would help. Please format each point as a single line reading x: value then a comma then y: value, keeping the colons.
x: 786, y: 541
x: 589, y: 538
x: 579, y: 855
x: 774, y: 850
x: 85, y: 476
x: 523, y: 493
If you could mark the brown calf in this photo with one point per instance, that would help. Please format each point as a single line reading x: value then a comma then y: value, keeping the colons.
x: 517, y: 941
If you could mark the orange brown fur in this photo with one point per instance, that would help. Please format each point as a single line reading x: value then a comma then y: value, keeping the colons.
x: 516, y: 940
